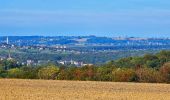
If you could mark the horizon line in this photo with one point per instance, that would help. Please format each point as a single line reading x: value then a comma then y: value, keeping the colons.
x: 77, y: 36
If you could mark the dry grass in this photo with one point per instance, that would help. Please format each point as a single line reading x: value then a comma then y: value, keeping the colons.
x: 75, y: 90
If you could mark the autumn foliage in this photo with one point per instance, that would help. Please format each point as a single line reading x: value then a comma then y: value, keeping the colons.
x: 149, y: 68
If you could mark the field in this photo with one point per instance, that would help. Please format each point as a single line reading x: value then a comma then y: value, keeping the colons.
x: 11, y: 89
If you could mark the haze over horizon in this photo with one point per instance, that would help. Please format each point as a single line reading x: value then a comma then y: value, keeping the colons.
x: 98, y: 35
x: 138, y: 18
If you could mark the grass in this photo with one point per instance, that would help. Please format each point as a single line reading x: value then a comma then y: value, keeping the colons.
x: 13, y: 89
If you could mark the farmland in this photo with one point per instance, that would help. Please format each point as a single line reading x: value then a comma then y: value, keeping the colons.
x: 12, y: 89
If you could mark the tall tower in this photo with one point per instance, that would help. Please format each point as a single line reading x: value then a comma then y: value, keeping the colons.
x: 9, y: 51
x: 7, y: 40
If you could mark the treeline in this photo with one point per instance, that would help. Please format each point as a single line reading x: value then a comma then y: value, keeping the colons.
x: 148, y: 68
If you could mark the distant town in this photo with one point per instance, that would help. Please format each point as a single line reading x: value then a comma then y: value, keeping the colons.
x: 74, y: 50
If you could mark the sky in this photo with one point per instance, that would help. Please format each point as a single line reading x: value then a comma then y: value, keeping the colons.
x: 139, y: 18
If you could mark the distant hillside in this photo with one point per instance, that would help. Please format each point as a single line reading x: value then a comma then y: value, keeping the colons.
x: 73, y: 40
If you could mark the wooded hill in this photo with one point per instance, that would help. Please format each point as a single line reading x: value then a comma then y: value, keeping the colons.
x: 148, y: 68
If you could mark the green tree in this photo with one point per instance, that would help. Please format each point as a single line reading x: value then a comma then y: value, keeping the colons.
x: 15, y: 73
x: 29, y: 72
x: 49, y: 72
x: 104, y: 73
x: 3, y: 72
x: 8, y: 64
x: 137, y: 62
x: 124, y: 62
x: 153, y: 63
x: 164, y: 56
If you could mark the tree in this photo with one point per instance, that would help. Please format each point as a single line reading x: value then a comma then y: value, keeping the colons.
x: 104, y: 73
x: 137, y: 62
x: 165, y: 71
x: 3, y: 72
x: 88, y: 73
x: 164, y: 56
x: 29, y: 72
x: 149, y: 75
x: 69, y: 73
x: 77, y: 74
x: 149, y: 57
x: 49, y: 72
x: 153, y: 63
x: 123, y: 75
x: 62, y: 75
x: 8, y: 64
x: 124, y: 62
x: 1, y: 68
x: 15, y: 73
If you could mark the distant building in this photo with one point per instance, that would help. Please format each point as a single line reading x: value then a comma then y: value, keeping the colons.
x: 71, y: 62
x: 30, y: 62
x: 62, y: 62
x: 87, y: 64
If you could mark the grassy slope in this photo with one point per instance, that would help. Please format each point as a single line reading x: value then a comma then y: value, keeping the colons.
x: 11, y: 89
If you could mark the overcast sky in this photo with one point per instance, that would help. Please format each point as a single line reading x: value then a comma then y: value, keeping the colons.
x: 141, y: 18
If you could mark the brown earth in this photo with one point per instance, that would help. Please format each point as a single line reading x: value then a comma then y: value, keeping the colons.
x: 13, y: 89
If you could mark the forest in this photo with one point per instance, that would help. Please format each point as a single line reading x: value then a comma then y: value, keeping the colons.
x: 149, y: 68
